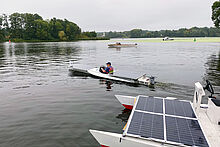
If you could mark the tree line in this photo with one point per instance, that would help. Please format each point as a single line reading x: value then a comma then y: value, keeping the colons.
x: 27, y: 26
x: 183, y: 32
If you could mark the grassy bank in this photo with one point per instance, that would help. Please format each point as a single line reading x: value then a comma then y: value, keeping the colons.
x: 199, y: 39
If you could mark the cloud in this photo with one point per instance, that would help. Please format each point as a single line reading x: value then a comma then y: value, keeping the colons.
x: 105, y: 15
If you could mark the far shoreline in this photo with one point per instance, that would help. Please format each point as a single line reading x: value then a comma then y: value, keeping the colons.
x: 136, y: 40
x: 175, y: 39
x: 34, y: 41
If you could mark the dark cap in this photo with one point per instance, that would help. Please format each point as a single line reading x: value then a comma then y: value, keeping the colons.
x: 108, y: 63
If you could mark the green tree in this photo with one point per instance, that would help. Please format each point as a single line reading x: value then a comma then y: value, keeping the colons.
x: 72, y: 31
x: 5, y: 25
x: 62, y: 35
x: 55, y: 27
x: 216, y: 13
x: 90, y: 34
x: 136, y: 33
x: 42, y: 28
x: 1, y: 30
x: 16, y: 22
x: 30, y: 27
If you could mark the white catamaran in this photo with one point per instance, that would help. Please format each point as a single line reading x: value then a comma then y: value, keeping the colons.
x: 157, y: 122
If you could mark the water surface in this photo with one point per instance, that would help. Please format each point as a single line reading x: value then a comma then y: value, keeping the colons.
x: 43, y: 104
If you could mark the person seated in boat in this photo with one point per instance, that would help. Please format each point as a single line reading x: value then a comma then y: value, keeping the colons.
x: 108, y: 69
x: 118, y: 43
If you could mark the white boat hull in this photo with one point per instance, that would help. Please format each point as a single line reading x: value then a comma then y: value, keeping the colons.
x: 107, y: 139
x: 126, y: 101
x: 141, y: 80
x: 95, y: 72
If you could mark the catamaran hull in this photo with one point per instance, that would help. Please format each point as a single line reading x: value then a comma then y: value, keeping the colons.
x: 107, y: 139
x: 126, y: 101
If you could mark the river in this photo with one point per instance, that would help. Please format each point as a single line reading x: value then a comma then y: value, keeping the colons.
x: 45, y: 105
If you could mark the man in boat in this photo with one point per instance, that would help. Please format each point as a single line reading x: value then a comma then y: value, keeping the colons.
x: 108, y: 69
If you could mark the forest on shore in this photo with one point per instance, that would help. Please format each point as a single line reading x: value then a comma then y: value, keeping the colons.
x: 21, y: 27
x: 183, y: 32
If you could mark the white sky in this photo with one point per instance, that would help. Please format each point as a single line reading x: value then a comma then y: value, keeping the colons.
x: 119, y: 15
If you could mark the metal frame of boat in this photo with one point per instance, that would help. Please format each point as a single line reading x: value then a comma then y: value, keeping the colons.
x: 207, y: 116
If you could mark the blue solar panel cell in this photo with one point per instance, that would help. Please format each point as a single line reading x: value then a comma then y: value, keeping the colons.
x: 150, y: 104
x: 135, y: 124
x: 179, y: 108
x: 185, y: 131
x: 181, y: 123
x: 147, y: 125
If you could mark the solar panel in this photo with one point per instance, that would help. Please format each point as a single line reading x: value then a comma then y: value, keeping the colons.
x: 150, y: 104
x: 185, y: 131
x: 181, y: 124
x: 179, y: 108
x: 147, y: 125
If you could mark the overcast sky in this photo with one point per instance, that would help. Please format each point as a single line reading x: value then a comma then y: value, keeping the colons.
x: 119, y: 15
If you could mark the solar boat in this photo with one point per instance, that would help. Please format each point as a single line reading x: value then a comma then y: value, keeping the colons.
x: 162, y: 122
x: 121, y: 77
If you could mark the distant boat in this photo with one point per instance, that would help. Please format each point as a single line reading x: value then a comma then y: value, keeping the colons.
x: 119, y: 45
x: 167, y: 39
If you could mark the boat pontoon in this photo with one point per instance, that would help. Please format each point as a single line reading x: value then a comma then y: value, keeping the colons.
x: 157, y: 122
x: 130, y: 79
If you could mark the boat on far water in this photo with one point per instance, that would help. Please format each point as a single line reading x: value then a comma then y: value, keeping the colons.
x: 119, y: 45
x: 168, y: 39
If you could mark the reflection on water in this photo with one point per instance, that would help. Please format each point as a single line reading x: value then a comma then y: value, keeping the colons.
x: 108, y: 84
x: 43, y: 104
x: 213, y: 69
x: 213, y: 72
x: 124, y: 115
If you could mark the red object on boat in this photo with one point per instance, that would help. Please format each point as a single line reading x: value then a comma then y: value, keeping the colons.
x: 104, y: 146
x: 9, y: 41
x: 130, y: 107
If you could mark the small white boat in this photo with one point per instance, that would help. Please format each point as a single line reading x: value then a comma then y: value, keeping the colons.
x: 167, y: 39
x: 144, y: 79
x: 119, y: 45
x: 163, y: 122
